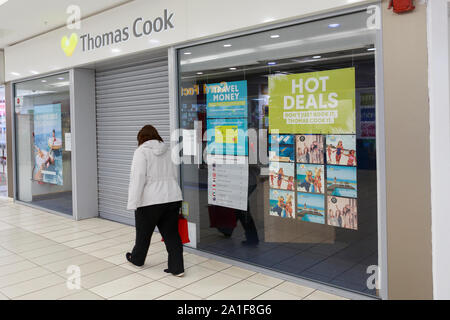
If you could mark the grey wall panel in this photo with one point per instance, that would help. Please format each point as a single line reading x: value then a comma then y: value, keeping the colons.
x: 84, y: 148
x: 128, y: 97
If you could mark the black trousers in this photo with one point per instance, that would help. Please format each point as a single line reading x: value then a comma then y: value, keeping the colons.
x: 165, y: 217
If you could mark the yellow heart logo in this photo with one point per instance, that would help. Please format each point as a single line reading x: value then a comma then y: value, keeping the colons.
x: 69, y: 44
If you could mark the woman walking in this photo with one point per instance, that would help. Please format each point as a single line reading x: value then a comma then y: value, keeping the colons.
x: 156, y: 197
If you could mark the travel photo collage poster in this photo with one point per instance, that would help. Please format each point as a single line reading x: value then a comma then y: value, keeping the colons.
x: 313, y: 177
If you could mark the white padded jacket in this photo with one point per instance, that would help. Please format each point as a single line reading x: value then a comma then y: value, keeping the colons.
x: 153, y: 178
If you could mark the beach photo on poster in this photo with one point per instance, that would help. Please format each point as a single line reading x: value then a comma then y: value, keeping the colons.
x: 342, y: 212
x: 281, y: 175
x: 48, y: 145
x: 281, y: 148
x: 309, y: 148
x: 311, y: 207
x: 282, y: 203
x: 281, y: 139
x: 341, y: 149
x: 310, y: 178
x: 341, y: 181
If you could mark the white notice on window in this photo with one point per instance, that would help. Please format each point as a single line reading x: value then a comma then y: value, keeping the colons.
x: 68, y: 141
x: 228, y: 184
x: 189, y: 143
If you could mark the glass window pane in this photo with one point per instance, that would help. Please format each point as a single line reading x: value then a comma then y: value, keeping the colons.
x: 43, y: 148
x: 3, y: 171
x: 305, y: 201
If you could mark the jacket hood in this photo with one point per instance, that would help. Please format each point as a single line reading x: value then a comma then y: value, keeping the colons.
x: 158, y: 148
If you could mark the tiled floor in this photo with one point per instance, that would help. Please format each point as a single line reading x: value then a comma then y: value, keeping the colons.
x: 36, y: 249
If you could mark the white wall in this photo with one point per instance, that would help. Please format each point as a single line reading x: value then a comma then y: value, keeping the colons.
x: 192, y: 20
x: 2, y: 67
x: 438, y: 50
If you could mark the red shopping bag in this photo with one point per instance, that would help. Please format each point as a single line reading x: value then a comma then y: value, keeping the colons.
x: 182, y: 229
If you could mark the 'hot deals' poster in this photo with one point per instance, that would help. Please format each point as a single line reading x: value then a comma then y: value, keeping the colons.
x: 48, y: 166
x: 318, y: 102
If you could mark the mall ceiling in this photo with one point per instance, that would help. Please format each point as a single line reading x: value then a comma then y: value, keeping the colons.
x: 24, y: 19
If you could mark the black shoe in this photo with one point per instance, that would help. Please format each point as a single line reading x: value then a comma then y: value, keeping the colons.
x: 128, y: 256
x: 180, y: 274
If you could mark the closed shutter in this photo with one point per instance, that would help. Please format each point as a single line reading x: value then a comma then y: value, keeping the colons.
x: 128, y: 97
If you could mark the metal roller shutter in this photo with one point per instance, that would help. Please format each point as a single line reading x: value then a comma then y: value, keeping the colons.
x: 128, y: 96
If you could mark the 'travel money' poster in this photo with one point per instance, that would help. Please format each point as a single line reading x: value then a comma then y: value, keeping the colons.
x: 313, y: 103
x: 227, y: 100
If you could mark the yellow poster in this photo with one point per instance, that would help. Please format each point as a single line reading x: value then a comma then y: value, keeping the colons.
x: 313, y: 103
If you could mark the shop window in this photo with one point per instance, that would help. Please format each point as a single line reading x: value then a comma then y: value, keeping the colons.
x: 43, y: 143
x: 279, y: 149
x: 3, y: 154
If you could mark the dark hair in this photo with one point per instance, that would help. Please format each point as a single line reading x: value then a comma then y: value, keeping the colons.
x: 147, y: 133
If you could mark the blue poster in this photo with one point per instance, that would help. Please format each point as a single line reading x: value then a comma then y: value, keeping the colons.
x: 47, y: 135
x: 342, y: 181
x: 311, y: 207
x: 227, y: 100
x: 227, y: 137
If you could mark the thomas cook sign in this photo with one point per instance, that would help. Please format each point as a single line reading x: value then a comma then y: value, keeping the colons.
x: 139, y: 28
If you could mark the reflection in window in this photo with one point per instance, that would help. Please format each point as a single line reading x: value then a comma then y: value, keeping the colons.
x: 43, y: 143
x: 304, y: 202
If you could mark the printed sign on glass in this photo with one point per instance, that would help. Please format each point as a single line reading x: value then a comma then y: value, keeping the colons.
x: 227, y: 100
x: 318, y: 102
x: 227, y: 137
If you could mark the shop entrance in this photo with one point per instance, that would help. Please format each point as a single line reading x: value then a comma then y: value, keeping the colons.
x: 129, y: 95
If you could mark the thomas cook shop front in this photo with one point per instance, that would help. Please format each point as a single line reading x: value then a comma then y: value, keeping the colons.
x: 279, y: 148
x: 275, y: 126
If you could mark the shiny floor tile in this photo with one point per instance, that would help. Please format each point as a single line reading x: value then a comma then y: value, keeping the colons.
x: 82, y: 295
x: 150, y: 291
x: 294, y: 289
x: 16, y: 267
x: 273, y: 294
x: 120, y: 285
x: 238, y: 272
x: 103, y: 276
x: 265, y: 280
x: 73, y: 261
x: 211, y: 285
x: 191, y: 275
x: 36, y: 248
x: 51, y: 293
x: 179, y: 295
x: 243, y: 290
x: 30, y: 286
x: 22, y: 276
